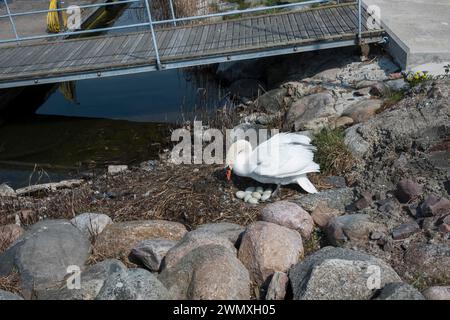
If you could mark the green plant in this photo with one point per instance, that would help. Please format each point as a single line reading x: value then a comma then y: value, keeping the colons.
x: 418, y: 77
x: 332, y: 153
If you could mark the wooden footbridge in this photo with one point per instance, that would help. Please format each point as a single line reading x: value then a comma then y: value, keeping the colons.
x: 162, y: 45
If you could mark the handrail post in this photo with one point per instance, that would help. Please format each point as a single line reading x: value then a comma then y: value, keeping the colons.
x: 172, y: 10
x: 152, y: 29
x: 13, y: 25
x: 360, y: 20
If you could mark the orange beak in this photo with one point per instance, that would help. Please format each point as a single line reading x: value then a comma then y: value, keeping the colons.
x: 229, y: 174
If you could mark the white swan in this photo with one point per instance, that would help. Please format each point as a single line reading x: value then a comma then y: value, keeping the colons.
x: 284, y: 159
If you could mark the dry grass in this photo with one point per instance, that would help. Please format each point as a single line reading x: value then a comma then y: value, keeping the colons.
x: 192, y: 195
x: 11, y: 283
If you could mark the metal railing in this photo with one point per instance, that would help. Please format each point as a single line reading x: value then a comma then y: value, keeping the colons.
x: 150, y: 23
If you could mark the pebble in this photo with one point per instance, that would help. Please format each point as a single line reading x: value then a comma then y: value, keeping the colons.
x: 241, y: 195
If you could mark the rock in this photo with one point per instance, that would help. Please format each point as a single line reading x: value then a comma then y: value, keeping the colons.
x: 117, y: 239
x: 267, y: 247
x: 311, y: 112
x: 135, y: 284
x: 353, y: 227
x: 44, y: 253
x: 398, y: 85
x: 8, y: 296
x: 437, y: 293
x: 193, y: 240
x: 289, y: 215
x: 231, y: 231
x: 207, y: 272
x: 322, y: 215
x: 430, y: 262
x: 247, y: 88
x: 408, y: 190
x: 435, y: 206
x: 91, y: 224
x: 150, y: 253
x: 9, y: 234
x: 363, y: 110
x: 339, y: 274
x: 335, y: 181
x: 272, y: 101
x: 335, y: 199
x: 389, y: 207
x: 343, y: 122
x: 6, y: 191
x: 117, y: 169
x: 91, y: 282
x: 399, y: 291
x: 278, y: 286
x: 364, y: 202
x: 405, y: 230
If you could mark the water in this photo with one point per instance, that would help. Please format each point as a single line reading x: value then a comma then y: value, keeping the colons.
x: 119, y: 120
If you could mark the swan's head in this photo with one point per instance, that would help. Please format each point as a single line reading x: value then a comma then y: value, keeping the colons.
x: 240, y: 148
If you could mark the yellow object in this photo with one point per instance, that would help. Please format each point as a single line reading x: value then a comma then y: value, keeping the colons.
x: 54, y: 17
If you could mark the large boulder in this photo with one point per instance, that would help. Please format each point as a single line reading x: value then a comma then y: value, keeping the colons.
x: 267, y: 247
x: 312, y: 112
x: 430, y: 262
x: 91, y: 282
x: 338, y: 199
x: 399, y: 291
x: 193, y: 240
x: 340, y: 274
x: 207, y: 272
x: 117, y: 240
x: 44, y: 254
x: 134, y: 284
x: 289, y: 215
x: 272, y: 101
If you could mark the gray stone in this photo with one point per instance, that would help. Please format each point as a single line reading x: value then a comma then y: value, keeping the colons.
x: 405, y: 230
x: 193, y: 240
x: 272, y: 101
x: 398, y: 85
x: 91, y: 224
x: 437, y: 293
x: 8, y: 296
x: 231, y: 231
x: 289, y: 215
x: 208, y: 272
x: 338, y: 274
x: 312, y: 112
x: 91, y: 282
x: 399, y: 291
x: 267, y: 247
x: 353, y: 227
x: 135, y: 284
x: 150, y: 253
x: 45, y: 252
x: 335, y: 199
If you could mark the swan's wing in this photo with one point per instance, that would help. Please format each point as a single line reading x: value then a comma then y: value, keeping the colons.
x: 284, y: 155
